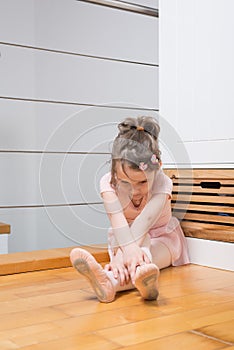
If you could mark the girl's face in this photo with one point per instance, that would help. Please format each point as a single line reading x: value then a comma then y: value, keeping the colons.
x: 134, y: 183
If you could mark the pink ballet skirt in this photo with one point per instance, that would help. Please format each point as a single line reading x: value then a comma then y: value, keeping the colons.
x: 169, y: 232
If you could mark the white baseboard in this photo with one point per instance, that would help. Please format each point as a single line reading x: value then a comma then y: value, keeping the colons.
x: 3, y: 244
x: 215, y: 254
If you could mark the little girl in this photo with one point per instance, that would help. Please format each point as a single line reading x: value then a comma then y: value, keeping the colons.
x: 144, y: 237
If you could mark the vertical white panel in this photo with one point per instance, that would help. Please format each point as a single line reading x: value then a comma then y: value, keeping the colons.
x: 197, y: 73
x: 196, y: 93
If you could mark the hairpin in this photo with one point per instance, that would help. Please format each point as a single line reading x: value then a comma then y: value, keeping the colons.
x: 154, y: 159
x: 143, y: 166
x: 140, y: 128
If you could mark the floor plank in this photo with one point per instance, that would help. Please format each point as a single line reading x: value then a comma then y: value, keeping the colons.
x: 181, y: 341
x: 146, y: 330
x: 224, y: 331
x: 55, y: 309
x: 87, y: 342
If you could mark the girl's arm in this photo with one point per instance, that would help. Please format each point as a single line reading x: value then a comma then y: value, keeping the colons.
x: 140, y: 227
x: 147, y: 218
x: 116, y: 265
x: 130, y: 239
x: 118, y: 221
x: 133, y: 255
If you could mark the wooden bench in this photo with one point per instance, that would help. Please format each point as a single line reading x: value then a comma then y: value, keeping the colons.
x: 45, y: 259
x: 203, y: 201
x: 4, y: 228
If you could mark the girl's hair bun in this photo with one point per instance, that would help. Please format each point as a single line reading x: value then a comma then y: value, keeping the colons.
x: 147, y: 124
x: 127, y: 125
x: 150, y: 125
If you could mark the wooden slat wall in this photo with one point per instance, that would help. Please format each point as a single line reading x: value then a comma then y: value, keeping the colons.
x: 203, y: 199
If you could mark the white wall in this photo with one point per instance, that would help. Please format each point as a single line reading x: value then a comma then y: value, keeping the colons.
x: 197, y: 77
x: 147, y: 3
x: 196, y: 94
x: 69, y: 72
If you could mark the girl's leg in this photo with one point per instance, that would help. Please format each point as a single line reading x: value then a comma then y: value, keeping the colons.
x: 161, y: 255
x: 116, y: 283
x: 104, y: 284
x: 146, y: 280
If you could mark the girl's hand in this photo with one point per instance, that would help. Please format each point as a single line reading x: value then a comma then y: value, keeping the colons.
x: 134, y: 256
x: 118, y: 268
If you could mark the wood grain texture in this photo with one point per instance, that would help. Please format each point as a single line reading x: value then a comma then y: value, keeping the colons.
x: 201, y: 173
x: 57, y: 309
x: 44, y: 259
x: 4, y: 228
x: 203, y: 200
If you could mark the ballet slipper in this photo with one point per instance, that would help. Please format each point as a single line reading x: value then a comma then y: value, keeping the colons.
x: 86, y: 264
x: 146, y: 281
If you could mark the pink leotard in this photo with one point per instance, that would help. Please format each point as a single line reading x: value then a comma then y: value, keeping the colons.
x: 167, y: 229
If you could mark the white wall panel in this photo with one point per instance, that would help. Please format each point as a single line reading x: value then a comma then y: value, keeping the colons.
x: 4, y: 244
x: 215, y: 254
x: 205, y: 69
x: 57, y: 227
x: 29, y: 125
x: 197, y: 76
x: 78, y: 27
x: 58, y: 178
x: 41, y: 126
x: 206, y: 154
x: 33, y: 74
x: 148, y: 3
x: 212, y: 153
x: 18, y: 178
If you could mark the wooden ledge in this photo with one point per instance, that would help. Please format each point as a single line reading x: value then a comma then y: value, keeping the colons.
x: 45, y: 259
x: 4, y: 228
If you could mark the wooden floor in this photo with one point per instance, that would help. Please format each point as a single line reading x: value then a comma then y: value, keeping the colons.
x: 56, y: 309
